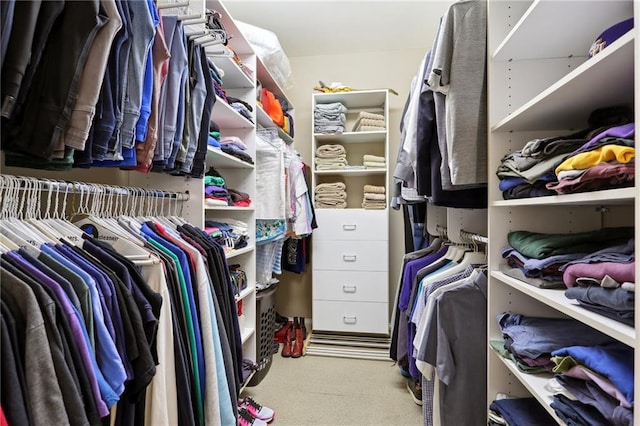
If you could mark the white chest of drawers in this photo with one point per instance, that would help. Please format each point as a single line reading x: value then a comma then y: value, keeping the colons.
x: 351, y: 271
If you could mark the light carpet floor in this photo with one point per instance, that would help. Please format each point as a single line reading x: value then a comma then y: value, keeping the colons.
x: 317, y: 390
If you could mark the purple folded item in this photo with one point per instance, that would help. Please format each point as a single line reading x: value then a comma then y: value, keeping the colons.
x: 625, y: 131
x: 610, y: 35
x: 600, y: 176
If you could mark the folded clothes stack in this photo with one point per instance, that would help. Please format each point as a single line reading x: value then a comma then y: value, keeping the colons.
x: 374, y: 197
x: 374, y: 161
x: 234, y: 146
x: 331, y: 195
x: 329, y: 118
x: 369, y: 122
x: 331, y: 157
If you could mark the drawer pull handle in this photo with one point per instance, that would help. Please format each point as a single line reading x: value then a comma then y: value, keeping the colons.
x: 349, y: 257
x: 349, y: 320
x: 349, y: 288
x: 349, y: 227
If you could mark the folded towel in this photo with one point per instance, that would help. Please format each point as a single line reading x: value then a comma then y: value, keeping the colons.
x: 334, y: 205
x: 330, y: 187
x: 373, y: 158
x: 337, y: 196
x: 331, y: 151
x: 332, y: 107
x: 341, y: 159
x: 374, y: 189
x: 374, y: 205
x: 375, y: 197
x: 360, y: 122
x: 365, y: 114
x: 331, y: 166
x: 374, y: 165
x: 370, y: 129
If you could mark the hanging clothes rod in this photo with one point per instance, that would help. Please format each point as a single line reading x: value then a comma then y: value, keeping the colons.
x: 471, y: 236
x: 26, y: 183
x: 464, y: 235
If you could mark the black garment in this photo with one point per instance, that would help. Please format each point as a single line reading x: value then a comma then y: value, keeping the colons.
x: 14, y: 397
x: 140, y: 355
x: 185, y: 380
x: 55, y: 87
x: 200, y: 157
x: 68, y: 383
x: 237, y: 153
x: 19, y: 52
x: 224, y: 296
x: 72, y: 352
x: 232, y: 100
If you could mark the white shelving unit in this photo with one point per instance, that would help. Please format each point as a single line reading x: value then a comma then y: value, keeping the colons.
x: 269, y: 82
x: 237, y: 173
x: 542, y: 83
x: 351, y: 246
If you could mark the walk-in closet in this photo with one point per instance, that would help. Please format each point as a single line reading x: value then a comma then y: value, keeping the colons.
x: 306, y: 212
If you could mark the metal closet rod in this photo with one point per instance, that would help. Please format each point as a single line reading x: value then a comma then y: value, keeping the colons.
x: 464, y: 235
x: 86, y: 188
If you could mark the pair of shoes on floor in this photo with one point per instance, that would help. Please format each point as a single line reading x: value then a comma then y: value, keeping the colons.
x: 250, y: 413
x: 415, y: 390
x: 280, y: 335
x: 294, y: 338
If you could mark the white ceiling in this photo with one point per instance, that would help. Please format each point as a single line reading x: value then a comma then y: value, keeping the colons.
x: 320, y: 27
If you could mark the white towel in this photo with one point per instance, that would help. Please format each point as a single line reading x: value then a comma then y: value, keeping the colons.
x: 331, y: 151
x: 372, y: 116
x: 374, y: 158
x: 374, y: 165
x: 375, y: 197
x: 374, y: 189
x: 330, y: 187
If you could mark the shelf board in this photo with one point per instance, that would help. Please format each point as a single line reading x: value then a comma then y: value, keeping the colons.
x: 535, y: 384
x: 227, y: 117
x: 366, y: 172
x: 229, y: 208
x: 352, y: 137
x: 265, y: 121
x: 608, y: 197
x: 588, y: 20
x: 246, y: 292
x: 269, y: 82
x: 604, y: 80
x: 357, y: 99
x: 556, y: 299
x: 247, y: 333
x: 221, y: 159
x: 239, y: 42
x: 234, y: 253
x: 234, y: 77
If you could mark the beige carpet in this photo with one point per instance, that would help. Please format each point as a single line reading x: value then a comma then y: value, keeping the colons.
x: 317, y: 390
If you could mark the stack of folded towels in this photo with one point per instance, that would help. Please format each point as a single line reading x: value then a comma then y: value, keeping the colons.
x: 374, y: 197
x: 331, y: 157
x: 331, y: 195
x: 329, y: 118
x: 373, y: 162
x: 369, y: 122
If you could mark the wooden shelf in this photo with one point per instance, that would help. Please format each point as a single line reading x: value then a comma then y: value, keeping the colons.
x: 351, y: 137
x: 220, y: 159
x: 607, y: 197
x: 570, y: 37
x: 555, y: 298
x: 535, y: 384
x: 226, y: 117
x: 265, y: 121
x: 567, y: 103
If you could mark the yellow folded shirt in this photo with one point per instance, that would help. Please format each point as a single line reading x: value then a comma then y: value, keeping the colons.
x: 620, y: 153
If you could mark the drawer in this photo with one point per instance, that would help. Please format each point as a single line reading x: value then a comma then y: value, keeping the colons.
x: 356, y: 317
x: 351, y: 224
x: 351, y: 286
x: 350, y: 255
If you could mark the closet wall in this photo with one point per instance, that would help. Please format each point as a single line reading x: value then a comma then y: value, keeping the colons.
x: 294, y: 294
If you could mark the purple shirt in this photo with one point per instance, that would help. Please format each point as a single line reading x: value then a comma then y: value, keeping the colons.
x: 410, y: 271
x: 625, y: 131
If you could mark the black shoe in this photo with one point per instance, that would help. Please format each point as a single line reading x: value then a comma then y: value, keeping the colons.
x: 415, y: 390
